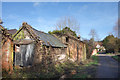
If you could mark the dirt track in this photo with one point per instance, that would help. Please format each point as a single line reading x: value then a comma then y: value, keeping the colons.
x: 108, y: 67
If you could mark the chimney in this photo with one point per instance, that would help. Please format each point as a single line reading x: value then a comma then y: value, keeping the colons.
x: 24, y: 23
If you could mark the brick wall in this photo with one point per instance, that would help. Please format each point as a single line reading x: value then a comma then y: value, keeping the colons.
x: 7, y: 55
x: 76, y: 49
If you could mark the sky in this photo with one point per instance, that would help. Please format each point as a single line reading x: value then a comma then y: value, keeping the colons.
x: 43, y: 16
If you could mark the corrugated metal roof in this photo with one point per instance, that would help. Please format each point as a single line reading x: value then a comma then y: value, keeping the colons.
x: 53, y: 41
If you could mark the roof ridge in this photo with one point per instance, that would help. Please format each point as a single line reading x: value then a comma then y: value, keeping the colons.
x: 33, y: 33
x: 38, y: 30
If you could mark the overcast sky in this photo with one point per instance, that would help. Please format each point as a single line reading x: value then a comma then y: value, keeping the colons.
x: 100, y: 16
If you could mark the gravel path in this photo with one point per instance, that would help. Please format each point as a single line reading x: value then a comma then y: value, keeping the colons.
x: 108, y: 67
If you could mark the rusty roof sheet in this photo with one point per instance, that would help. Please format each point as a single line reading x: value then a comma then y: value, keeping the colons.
x: 48, y: 39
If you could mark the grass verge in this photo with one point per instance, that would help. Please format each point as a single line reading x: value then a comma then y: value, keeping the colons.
x: 117, y: 58
x: 88, y: 70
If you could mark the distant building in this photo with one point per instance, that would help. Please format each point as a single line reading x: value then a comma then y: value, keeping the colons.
x: 12, y: 31
x: 99, y: 46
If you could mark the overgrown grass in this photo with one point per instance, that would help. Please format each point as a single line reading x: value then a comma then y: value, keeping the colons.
x: 95, y: 58
x: 116, y: 58
x: 66, y: 67
x: 18, y: 73
x: 56, y: 71
x: 79, y: 75
x: 88, y: 70
x: 51, y: 72
x: 94, y: 62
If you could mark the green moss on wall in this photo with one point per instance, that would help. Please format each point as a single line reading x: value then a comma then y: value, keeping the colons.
x: 20, y: 35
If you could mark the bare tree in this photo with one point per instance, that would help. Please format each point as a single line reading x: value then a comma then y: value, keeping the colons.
x: 93, y: 33
x: 115, y: 28
x: 70, y: 22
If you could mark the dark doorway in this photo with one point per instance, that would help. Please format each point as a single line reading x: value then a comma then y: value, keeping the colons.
x: 67, y: 39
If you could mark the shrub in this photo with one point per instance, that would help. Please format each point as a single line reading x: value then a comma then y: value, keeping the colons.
x: 64, y: 31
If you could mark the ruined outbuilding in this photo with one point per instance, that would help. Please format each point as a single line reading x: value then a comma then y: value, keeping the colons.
x: 76, y: 49
x: 33, y: 47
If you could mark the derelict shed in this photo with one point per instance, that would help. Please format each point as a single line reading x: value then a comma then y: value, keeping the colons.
x: 76, y: 49
x: 31, y: 46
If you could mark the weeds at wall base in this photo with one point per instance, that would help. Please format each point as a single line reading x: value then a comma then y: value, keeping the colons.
x: 72, y: 70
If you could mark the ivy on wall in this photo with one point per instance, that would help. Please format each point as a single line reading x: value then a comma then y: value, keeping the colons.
x: 20, y: 35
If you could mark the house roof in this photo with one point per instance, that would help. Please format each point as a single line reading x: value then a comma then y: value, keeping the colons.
x: 98, y: 43
x: 48, y: 39
x: 4, y: 31
x: 4, y: 34
x: 12, y: 31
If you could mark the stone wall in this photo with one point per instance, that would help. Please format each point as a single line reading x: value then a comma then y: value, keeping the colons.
x: 76, y: 50
x: 39, y: 52
x: 43, y: 54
